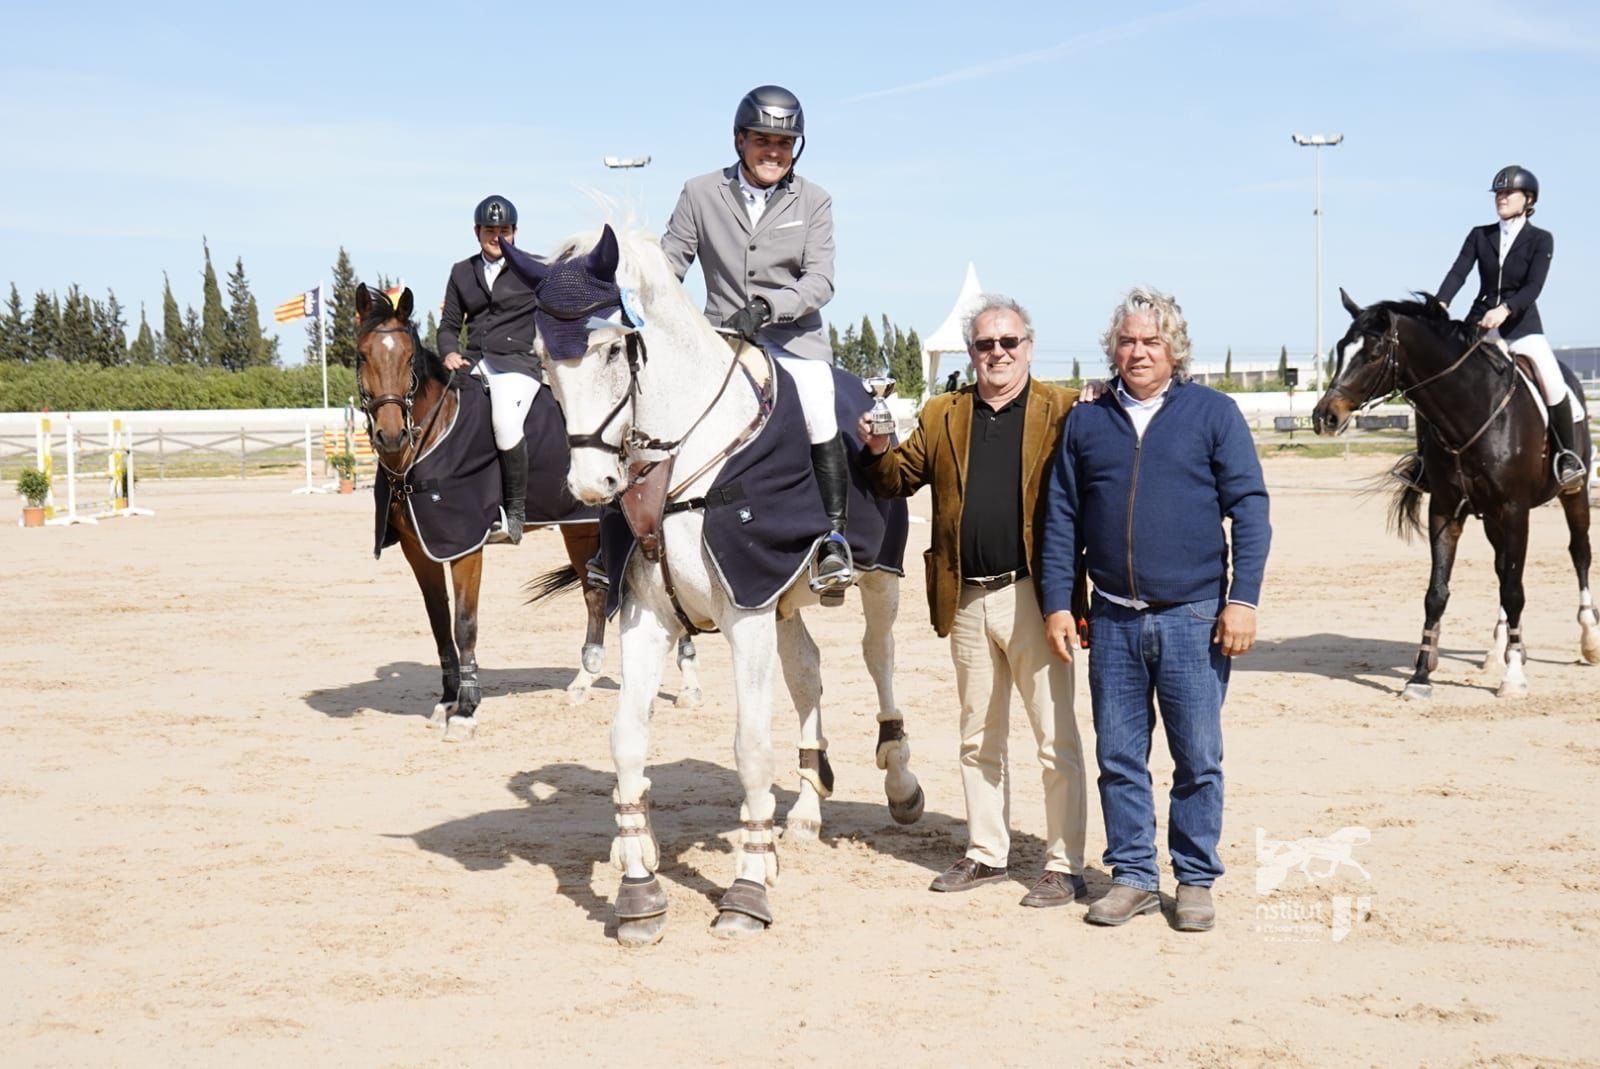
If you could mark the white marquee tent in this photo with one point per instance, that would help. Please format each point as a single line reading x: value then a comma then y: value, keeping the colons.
x: 947, y: 339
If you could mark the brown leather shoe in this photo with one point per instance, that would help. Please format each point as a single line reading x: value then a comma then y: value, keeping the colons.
x: 966, y: 874
x: 1121, y: 904
x: 1195, y: 913
x: 1055, y: 889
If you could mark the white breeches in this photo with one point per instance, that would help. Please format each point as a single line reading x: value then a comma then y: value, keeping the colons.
x: 1536, y: 347
x: 510, y: 394
x: 813, y: 381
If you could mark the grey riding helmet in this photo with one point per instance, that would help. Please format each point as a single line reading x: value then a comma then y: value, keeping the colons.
x: 1515, y: 178
x: 772, y: 109
x: 495, y: 210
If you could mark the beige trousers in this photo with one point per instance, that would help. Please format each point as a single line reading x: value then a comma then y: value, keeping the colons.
x: 998, y: 642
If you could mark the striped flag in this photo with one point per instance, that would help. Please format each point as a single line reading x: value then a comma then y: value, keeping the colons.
x: 300, y: 306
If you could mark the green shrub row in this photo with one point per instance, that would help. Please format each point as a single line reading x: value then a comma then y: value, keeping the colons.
x: 80, y: 388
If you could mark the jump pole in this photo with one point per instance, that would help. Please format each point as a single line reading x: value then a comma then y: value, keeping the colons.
x: 71, y: 516
x: 310, y: 487
x: 121, y: 472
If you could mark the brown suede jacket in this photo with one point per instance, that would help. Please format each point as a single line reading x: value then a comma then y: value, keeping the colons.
x: 936, y: 454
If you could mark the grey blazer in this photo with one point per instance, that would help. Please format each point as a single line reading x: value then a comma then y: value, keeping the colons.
x: 787, y: 257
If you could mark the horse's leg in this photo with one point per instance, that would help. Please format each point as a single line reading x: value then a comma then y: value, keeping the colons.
x: 880, y: 601
x: 1576, y: 506
x: 641, y: 904
x: 1444, y: 532
x: 582, y: 541
x: 1496, y: 655
x: 1508, y: 533
x: 466, y: 577
x: 802, y: 671
x: 689, y: 694
x: 743, y: 909
x: 430, y: 578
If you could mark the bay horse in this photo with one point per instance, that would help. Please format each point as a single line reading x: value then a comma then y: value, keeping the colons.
x: 1488, y: 454
x: 409, y: 400
x: 652, y: 391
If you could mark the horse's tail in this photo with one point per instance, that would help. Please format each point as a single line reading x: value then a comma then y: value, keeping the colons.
x: 552, y: 583
x: 1405, y: 508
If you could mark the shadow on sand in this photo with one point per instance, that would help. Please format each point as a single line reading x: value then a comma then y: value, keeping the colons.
x: 408, y: 688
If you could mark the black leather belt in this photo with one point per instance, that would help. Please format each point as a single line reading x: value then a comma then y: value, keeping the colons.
x: 997, y: 582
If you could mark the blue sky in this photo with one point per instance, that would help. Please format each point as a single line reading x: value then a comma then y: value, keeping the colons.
x: 1069, y: 150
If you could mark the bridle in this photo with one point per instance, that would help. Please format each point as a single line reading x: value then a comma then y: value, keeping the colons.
x: 411, y: 434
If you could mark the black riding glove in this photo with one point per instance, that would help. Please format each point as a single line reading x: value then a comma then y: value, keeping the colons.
x: 748, y: 320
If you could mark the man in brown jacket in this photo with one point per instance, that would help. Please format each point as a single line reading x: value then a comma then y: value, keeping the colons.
x: 986, y: 450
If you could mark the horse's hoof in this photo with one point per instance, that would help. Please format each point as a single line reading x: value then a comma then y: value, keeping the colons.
x: 1508, y: 689
x: 441, y: 713
x: 689, y: 698
x: 593, y: 658
x: 736, y: 926
x: 909, y: 811
x: 801, y: 831
x: 1417, y: 692
x: 644, y: 932
x: 460, y: 729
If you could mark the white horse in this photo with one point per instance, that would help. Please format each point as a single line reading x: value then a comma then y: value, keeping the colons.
x: 669, y: 387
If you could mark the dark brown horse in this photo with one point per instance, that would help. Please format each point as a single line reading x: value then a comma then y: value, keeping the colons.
x: 1487, y: 453
x: 409, y: 399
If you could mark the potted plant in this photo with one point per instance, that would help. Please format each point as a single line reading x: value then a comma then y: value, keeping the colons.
x: 345, y: 465
x: 33, y: 487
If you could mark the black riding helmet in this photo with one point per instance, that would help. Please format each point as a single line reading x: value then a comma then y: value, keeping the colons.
x: 772, y: 109
x: 1515, y: 178
x: 495, y: 210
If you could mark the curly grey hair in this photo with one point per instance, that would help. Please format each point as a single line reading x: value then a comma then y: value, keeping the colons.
x: 993, y: 302
x: 1174, y: 329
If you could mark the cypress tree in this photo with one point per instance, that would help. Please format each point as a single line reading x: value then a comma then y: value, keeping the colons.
x: 866, y: 354
x: 342, y: 314
x: 173, y: 349
x: 143, y: 349
x: 75, y: 340
x: 847, y: 349
x: 912, y: 382
x: 1227, y: 367
x: 13, y: 331
x: 213, y: 339
x: 193, y: 330
x: 430, y: 336
x: 1077, y: 372
x: 44, y: 325
x: 1283, y: 364
x: 833, y: 336
x: 111, y: 338
x: 243, y: 345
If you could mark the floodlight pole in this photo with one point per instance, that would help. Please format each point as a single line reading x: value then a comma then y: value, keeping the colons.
x: 1318, y: 141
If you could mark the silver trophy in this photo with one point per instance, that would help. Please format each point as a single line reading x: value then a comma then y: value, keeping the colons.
x: 880, y: 387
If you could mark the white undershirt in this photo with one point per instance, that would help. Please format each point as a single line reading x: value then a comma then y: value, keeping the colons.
x: 755, y: 198
x: 492, y: 269
x: 1509, y: 229
x: 1140, y: 412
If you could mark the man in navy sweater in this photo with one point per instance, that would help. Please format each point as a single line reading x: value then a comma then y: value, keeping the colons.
x: 1145, y: 476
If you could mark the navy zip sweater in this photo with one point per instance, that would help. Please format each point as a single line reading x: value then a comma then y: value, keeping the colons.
x: 1150, y: 512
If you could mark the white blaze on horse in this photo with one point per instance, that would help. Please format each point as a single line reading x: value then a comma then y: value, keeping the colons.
x: 657, y: 404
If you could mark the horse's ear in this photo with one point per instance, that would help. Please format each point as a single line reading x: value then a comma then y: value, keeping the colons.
x: 363, y: 301
x: 531, y: 268
x: 1349, y: 303
x: 604, y: 257
x: 403, y: 310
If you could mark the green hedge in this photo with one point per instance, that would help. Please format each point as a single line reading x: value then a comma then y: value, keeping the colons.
x: 78, y: 388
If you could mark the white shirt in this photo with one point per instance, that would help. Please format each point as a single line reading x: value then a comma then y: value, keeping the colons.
x: 1509, y: 229
x: 755, y: 198
x: 491, y: 270
x: 1141, y: 412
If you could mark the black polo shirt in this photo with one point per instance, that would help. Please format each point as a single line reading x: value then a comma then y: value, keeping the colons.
x: 991, y: 511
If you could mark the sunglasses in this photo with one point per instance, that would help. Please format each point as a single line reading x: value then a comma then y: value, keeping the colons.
x: 1010, y: 343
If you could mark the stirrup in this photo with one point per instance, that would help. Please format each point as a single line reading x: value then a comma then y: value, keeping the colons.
x: 1576, y: 473
x: 837, y: 583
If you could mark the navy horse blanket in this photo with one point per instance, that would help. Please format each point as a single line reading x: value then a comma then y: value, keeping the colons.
x: 454, y: 487
x: 763, y: 515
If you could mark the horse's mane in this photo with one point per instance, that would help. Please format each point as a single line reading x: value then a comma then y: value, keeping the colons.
x: 1425, y: 309
x: 425, y: 363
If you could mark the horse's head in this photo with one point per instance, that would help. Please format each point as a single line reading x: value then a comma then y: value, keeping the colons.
x: 590, y: 362
x: 1367, y: 356
x: 388, y: 375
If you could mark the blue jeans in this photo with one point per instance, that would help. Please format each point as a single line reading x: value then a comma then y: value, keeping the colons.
x: 1139, y: 660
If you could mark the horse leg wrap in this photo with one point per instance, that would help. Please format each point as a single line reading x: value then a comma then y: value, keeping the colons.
x: 639, y: 898
x: 593, y: 658
x: 1514, y: 643
x: 1430, y: 647
x: 633, y: 822
x: 815, y: 769
x: 748, y: 898
x: 470, y: 692
x: 755, y: 837
x: 892, y: 734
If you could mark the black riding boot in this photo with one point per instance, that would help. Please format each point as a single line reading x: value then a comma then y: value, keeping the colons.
x: 1409, y: 469
x: 514, y: 489
x: 831, y: 463
x: 1570, y: 471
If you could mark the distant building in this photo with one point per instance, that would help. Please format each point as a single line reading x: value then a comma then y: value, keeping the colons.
x: 1584, y: 360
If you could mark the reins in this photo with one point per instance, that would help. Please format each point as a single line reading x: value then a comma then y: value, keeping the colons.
x: 415, y: 436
